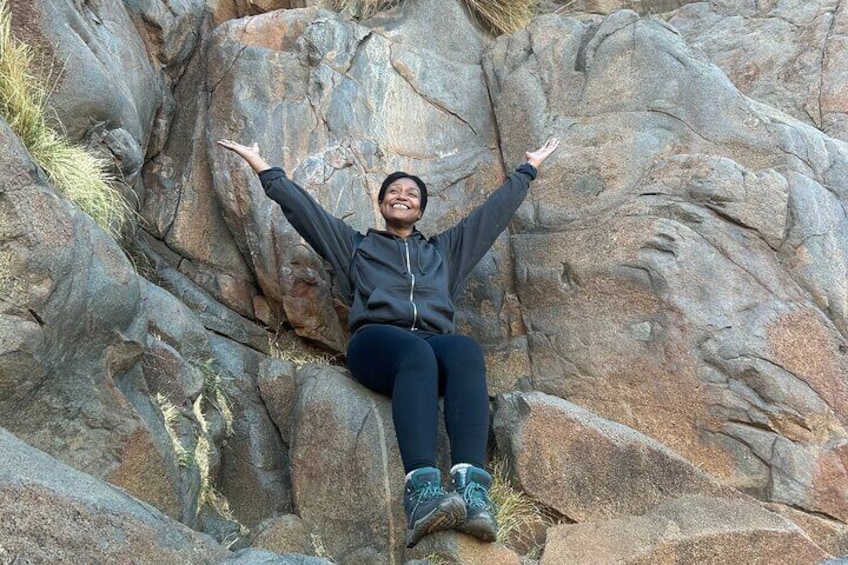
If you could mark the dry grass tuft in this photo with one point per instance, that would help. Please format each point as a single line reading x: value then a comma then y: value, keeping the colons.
x: 498, y: 16
x: 208, y: 495
x: 78, y: 174
x: 364, y: 9
x: 171, y: 415
x: 519, y: 517
x: 502, y: 16
x: 289, y: 347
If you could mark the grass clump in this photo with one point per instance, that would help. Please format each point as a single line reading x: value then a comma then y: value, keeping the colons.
x: 214, y: 392
x: 498, y: 16
x: 503, y: 16
x: 289, y: 347
x: 171, y: 415
x: 364, y: 9
x: 520, y: 518
x: 208, y: 495
x: 74, y: 171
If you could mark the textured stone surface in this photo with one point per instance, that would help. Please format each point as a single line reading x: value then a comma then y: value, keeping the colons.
x: 678, y: 270
x: 660, y: 263
x: 344, y: 436
x: 691, y: 529
x: 71, y: 323
x: 53, y: 513
x: 789, y: 55
x: 587, y: 468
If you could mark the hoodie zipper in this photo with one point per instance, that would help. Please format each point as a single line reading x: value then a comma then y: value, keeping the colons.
x: 411, y: 287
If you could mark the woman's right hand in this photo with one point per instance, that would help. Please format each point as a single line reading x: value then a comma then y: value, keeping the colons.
x: 249, y: 153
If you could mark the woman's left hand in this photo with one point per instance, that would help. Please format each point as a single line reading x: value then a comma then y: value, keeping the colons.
x: 537, y: 157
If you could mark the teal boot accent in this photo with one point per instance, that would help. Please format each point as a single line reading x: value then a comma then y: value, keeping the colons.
x: 473, y: 483
x: 428, y: 507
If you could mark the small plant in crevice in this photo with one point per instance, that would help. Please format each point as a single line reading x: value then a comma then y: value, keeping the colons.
x: 286, y: 345
x: 436, y: 559
x: 502, y: 16
x: 364, y: 9
x: 208, y: 495
x: 214, y: 394
x: 171, y: 415
x: 318, y: 546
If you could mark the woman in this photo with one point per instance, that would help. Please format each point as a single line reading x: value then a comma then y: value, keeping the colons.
x: 402, y: 287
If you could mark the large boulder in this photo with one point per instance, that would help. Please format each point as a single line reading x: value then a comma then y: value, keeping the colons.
x: 90, y: 46
x: 664, y: 265
x: 347, y: 476
x: 303, y: 84
x: 254, y: 471
x: 587, y: 468
x: 691, y: 529
x: 55, y: 514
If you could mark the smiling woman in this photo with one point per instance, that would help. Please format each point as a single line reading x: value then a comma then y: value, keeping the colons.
x: 402, y: 287
x: 402, y: 198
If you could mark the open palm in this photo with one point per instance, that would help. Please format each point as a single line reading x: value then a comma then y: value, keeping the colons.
x: 537, y: 157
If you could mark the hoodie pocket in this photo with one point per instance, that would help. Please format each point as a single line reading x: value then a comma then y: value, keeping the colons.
x: 390, y: 306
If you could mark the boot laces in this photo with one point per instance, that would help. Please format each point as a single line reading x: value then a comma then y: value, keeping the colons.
x: 429, y: 491
x: 476, y: 495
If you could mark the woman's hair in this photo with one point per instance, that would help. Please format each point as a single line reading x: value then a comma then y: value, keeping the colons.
x: 400, y: 175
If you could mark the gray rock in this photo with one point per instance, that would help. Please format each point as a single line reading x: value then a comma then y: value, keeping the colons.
x: 652, y: 261
x: 282, y: 534
x: 211, y: 313
x: 94, y: 44
x: 71, y: 326
x: 254, y: 474
x: 587, y: 468
x: 278, y: 388
x: 693, y: 529
x: 347, y: 476
x: 53, y: 513
x: 254, y: 556
x: 786, y: 55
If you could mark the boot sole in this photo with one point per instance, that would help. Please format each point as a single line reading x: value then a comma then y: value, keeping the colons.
x: 484, y: 530
x: 444, y: 517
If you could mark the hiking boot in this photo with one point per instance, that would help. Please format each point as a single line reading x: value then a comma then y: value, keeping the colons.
x: 472, y: 483
x: 428, y: 507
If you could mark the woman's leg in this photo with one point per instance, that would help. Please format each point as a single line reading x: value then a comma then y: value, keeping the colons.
x: 399, y: 364
x: 396, y: 362
x: 462, y: 371
x: 463, y: 374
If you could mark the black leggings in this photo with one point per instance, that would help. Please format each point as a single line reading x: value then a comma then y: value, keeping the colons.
x: 414, y: 370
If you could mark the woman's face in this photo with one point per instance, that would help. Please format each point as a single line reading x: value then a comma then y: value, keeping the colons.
x: 402, y: 202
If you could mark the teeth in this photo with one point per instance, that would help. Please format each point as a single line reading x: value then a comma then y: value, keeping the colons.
x: 403, y: 206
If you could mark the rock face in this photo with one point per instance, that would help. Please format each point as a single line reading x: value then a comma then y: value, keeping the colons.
x: 587, y: 468
x: 791, y: 58
x: 658, y: 287
x: 664, y: 322
x: 686, y: 530
x: 52, y: 513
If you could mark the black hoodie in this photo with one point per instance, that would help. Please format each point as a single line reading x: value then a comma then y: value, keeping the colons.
x: 410, y: 283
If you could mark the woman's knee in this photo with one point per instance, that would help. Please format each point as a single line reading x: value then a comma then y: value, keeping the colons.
x: 459, y: 349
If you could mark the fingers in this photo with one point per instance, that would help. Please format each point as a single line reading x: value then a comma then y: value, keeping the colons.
x: 238, y: 147
x: 550, y: 145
